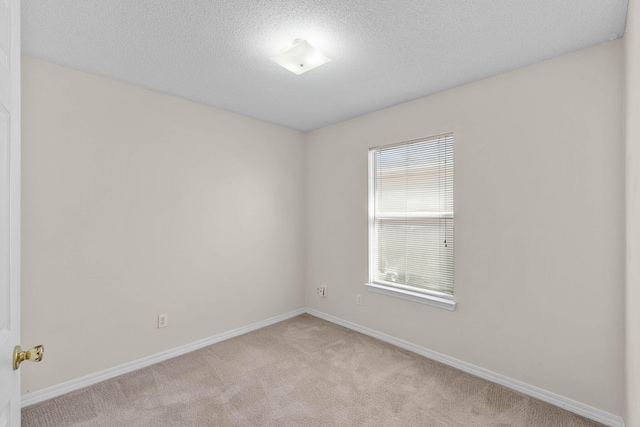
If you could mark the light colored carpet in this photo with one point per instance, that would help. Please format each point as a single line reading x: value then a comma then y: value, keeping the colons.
x: 300, y: 372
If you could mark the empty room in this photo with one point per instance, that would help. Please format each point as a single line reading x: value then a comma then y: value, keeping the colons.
x: 320, y: 213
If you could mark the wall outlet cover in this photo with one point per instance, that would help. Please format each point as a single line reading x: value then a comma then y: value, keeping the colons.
x: 162, y: 320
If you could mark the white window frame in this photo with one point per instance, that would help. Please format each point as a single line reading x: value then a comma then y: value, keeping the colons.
x: 424, y: 296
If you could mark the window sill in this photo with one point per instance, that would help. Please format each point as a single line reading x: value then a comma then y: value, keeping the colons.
x: 444, y: 303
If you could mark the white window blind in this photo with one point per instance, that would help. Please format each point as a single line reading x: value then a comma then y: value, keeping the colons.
x: 411, y: 217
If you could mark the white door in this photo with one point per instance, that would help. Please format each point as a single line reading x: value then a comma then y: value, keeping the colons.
x: 9, y: 210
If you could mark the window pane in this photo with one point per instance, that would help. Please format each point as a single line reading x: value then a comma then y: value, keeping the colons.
x: 417, y: 252
x: 415, y: 178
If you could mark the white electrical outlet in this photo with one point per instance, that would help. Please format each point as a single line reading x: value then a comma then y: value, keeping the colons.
x: 162, y: 320
x: 359, y: 299
x: 322, y: 290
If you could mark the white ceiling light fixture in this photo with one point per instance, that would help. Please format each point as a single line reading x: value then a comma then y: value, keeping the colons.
x: 300, y: 58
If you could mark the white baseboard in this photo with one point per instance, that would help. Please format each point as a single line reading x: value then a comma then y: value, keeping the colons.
x: 77, y: 384
x: 529, y: 390
x: 538, y: 393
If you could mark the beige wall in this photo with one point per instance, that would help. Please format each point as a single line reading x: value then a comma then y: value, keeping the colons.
x: 137, y: 203
x: 539, y: 228
x: 632, y: 69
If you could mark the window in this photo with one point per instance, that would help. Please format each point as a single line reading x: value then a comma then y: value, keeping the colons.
x: 411, y: 220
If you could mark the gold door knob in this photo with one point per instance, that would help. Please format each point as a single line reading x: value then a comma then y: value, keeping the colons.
x: 19, y: 356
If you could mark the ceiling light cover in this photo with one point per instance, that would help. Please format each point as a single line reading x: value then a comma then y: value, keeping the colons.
x: 300, y: 58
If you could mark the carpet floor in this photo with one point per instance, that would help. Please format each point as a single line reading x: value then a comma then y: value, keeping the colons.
x: 300, y: 372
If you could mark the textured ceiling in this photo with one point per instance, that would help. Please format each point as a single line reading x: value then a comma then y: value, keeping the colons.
x: 216, y: 52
